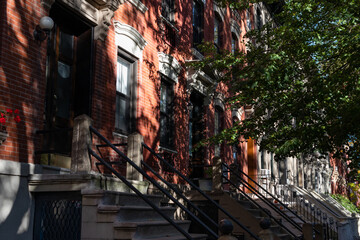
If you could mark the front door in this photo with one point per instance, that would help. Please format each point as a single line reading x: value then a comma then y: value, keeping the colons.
x: 69, y: 78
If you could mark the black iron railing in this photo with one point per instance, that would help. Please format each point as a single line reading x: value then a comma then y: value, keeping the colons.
x: 214, y: 203
x: 260, y: 196
x: 308, y: 208
x: 150, y: 179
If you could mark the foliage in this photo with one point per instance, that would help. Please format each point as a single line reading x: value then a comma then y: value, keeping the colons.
x: 346, y: 203
x: 301, y: 77
x: 354, y: 195
x: 6, y: 115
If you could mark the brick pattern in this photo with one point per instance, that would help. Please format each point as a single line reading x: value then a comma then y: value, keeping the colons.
x: 23, y: 81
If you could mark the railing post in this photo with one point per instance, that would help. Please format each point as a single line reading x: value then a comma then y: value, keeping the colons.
x: 135, y: 153
x: 217, y: 174
x: 266, y: 233
x: 80, y: 159
x: 226, y: 228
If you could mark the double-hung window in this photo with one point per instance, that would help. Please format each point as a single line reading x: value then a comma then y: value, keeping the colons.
x: 217, y: 33
x: 126, y: 75
x: 258, y: 19
x: 168, y: 10
x: 218, y: 122
x: 248, y: 19
x: 234, y: 43
x: 166, y: 113
x: 198, y: 22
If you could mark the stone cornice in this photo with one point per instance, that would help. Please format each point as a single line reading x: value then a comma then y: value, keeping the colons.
x: 99, y: 12
x: 129, y: 31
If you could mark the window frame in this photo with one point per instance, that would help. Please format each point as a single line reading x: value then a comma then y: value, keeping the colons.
x: 168, y: 10
x: 234, y: 43
x: 168, y: 114
x: 130, y: 97
x: 218, y: 128
x: 218, y: 32
x: 198, y: 28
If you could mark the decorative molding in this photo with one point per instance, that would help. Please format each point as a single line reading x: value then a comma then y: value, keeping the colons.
x: 236, y: 14
x: 202, y: 83
x: 139, y: 5
x: 197, y: 54
x: 235, y: 28
x: 99, y: 12
x: 129, y: 39
x: 220, y: 11
x: 238, y: 113
x: 169, y: 66
x: 219, y: 101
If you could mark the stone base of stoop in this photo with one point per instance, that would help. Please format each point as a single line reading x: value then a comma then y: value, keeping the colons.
x: 78, y: 182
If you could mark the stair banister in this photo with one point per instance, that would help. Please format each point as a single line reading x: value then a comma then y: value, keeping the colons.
x: 201, y: 192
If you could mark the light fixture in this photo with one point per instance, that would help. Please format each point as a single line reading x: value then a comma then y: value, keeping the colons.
x: 43, y: 29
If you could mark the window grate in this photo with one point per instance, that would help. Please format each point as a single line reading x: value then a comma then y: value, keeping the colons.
x: 57, y: 217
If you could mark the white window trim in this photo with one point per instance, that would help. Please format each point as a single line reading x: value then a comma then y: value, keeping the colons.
x: 129, y: 39
x: 235, y: 28
x: 169, y: 66
x: 139, y: 5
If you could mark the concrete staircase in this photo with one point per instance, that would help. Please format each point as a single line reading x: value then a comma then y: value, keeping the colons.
x: 260, y: 214
x: 118, y: 215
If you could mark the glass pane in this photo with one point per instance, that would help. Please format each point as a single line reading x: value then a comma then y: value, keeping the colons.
x: 163, y: 98
x: 248, y: 21
x: 216, y: 31
x: 123, y: 75
x: 164, y: 130
x: 122, y: 116
x: 216, y: 122
x: 66, y: 45
x: 63, y: 91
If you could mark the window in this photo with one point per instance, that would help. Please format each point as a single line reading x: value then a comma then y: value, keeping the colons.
x: 217, y: 32
x: 218, y: 122
x: 198, y: 23
x: 166, y: 113
x: 168, y: 10
x: 125, y: 81
x: 248, y: 19
x: 258, y: 19
x: 234, y: 43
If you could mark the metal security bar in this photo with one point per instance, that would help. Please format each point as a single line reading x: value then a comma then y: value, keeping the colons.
x: 215, y: 204
x: 137, y: 192
x: 57, y: 216
x: 267, y: 212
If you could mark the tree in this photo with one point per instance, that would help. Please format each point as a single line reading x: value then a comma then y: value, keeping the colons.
x: 300, y: 76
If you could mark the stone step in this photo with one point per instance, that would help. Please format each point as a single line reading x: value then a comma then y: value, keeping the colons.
x: 285, y: 236
x: 180, y: 237
x: 150, y: 229
x: 128, y: 199
x: 256, y: 212
x: 246, y: 203
x: 111, y: 213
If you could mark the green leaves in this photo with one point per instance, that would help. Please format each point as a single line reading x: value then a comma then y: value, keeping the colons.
x: 302, y: 80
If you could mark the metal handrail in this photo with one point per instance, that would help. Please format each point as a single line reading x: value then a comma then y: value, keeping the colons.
x: 267, y: 192
x: 186, y: 200
x: 264, y: 199
x: 261, y: 208
x: 141, y: 171
x: 201, y: 192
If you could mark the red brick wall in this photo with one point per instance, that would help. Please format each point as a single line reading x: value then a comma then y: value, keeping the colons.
x: 22, y: 76
x: 23, y: 83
